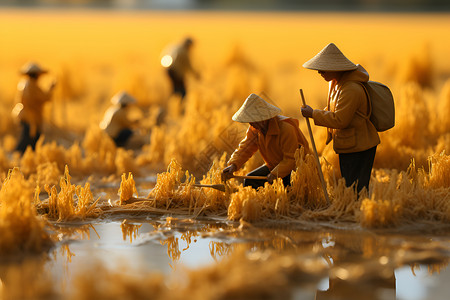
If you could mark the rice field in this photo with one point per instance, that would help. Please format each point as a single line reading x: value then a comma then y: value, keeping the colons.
x: 97, y: 221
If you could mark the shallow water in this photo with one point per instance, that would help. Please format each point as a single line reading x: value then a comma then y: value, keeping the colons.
x: 371, y: 265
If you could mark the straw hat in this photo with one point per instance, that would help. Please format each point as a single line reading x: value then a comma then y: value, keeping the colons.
x: 330, y: 59
x: 123, y: 98
x: 32, y: 68
x: 255, y: 109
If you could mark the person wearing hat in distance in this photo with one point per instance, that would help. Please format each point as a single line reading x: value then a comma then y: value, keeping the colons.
x: 177, y: 62
x: 275, y: 136
x: 355, y: 138
x: 30, y: 100
x: 116, y: 122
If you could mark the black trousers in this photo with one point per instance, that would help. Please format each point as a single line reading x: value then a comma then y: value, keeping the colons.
x: 26, y: 139
x: 263, y: 171
x: 357, y: 167
x: 123, y: 137
x: 177, y: 83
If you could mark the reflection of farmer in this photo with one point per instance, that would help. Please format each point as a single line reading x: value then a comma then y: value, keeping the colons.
x: 30, y: 103
x: 178, y: 64
x: 116, y: 122
x: 275, y: 136
x: 354, y: 137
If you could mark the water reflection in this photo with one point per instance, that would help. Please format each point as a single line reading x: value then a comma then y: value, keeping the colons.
x: 317, y: 263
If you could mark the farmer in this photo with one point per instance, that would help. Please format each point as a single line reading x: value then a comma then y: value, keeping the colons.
x: 276, y: 137
x: 355, y: 139
x: 30, y: 100
x: 116, y: 122
x: 178, y: 64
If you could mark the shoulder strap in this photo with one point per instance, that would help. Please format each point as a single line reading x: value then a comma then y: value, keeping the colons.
x: 368, y: 101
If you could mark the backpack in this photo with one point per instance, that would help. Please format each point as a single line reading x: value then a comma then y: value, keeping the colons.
x: 381, y: 105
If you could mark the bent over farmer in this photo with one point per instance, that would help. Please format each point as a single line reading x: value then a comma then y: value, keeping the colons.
x: 355, y: 138
x: 30, y: 100
x: 116, y: 122
x: 275, y: 136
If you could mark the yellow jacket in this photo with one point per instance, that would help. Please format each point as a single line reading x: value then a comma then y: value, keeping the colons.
x: 115, y: 120
x: 277, y: 147
x: 344, y: 115
x: 31, y: 98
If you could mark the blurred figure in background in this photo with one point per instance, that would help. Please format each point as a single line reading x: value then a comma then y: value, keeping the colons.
x: 30, y: 103
x: 116, y: 122
x: 176, y: 59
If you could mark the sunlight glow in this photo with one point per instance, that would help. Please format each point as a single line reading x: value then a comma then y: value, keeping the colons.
x: 166, y: 61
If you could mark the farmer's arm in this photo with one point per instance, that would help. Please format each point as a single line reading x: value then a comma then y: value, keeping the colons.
x: 346, y: 105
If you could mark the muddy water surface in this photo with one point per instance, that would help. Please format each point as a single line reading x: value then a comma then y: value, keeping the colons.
x: 359, y: 263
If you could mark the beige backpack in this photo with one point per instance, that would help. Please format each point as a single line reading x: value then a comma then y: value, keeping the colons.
x: 381, y: 102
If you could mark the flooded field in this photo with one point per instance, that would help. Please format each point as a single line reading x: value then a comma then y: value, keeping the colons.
x: 81, y: 218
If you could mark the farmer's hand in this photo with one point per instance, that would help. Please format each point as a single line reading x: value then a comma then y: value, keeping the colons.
x: 307, y: 111
x: 227, y: 173
x: 271, y: 178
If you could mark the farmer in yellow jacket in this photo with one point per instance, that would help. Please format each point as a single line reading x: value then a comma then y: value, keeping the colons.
x: 30, y: 100
x: 355, y: 138
x: 275, y: 136
x: 177, y: 62
x: 116, y: 122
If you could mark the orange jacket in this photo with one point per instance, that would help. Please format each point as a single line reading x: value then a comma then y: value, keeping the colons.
x: 277, y: 147
x: 344, y: 115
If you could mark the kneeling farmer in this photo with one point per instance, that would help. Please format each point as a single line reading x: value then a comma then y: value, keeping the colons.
x: 275, y: 136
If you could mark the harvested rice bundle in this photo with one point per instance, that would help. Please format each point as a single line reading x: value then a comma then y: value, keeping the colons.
x: 167, y: 182
x: 21, y: 230
x: 306, y: 188
x: 245, y: 204
x: 62, y: 205
x: 127, y: 188
x: 215, y: 199
x: 390, y: 189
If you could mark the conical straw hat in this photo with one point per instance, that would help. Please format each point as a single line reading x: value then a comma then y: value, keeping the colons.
x: 330, y: 59
x: 123, y: 98
x: 255, y: 109
x: 32, y: 68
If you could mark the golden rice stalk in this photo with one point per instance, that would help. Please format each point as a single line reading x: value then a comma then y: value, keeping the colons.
x: 443, y: 112
x: 21, y: 230
x: 217, y: 200
x: 170, y: 192
x: 127, y: 188
x: 62, y: 205
x: 439, y: 171
x: 100, y: 150
x: 48, y: 173
x: 344, y: 205
x: 125, y: 162
x: 378, y: 213
x: 245, y: 204
x: 305, y: 182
